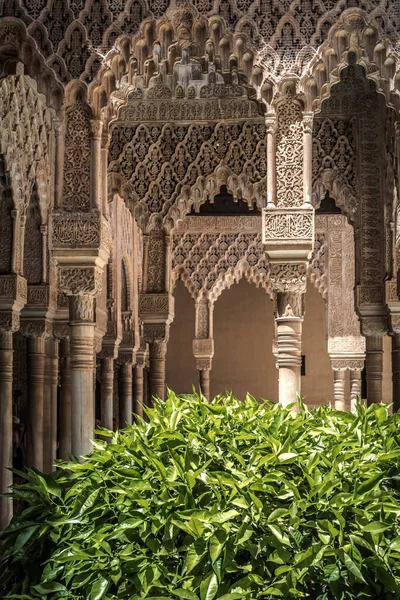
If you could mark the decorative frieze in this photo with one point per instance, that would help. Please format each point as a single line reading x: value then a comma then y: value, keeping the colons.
x: 80, y: 230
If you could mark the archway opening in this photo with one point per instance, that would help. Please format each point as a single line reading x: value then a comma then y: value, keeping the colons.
x: 181, y: 372
x: 243, y: 334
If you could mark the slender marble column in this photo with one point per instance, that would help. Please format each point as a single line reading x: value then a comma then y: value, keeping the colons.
x: 339, y: 382
x: 374, y: 366
x: 270, y: 121
x: 34, y: 434
x: 59, y: 131
x: 138, y: 388
x: 289, y: 331
x: 125, y: 395
x: 107, y: 392
x: 53, y: 347
x: 65, y: 400
x: 307, y: 158
x: 355, y: 387
x: 95, y: 171
x: 396, y: 370
x: 82, y: 367
x: 205, y: 382
x: 157, y: 353
x: 47, y: 413
x: 6, y: 477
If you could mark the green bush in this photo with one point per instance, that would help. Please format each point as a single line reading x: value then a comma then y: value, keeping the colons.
x: 226, y: 500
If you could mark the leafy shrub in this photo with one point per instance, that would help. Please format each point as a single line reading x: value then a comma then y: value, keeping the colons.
x: 226, y: 500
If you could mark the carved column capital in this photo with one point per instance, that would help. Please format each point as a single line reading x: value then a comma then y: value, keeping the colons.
x: 96, y: 127
x: 288, y: 277
x: 270, y: 123
x: 347, y: 364
x: 308, y: 119
x: 155, y: 332
x: 81, y: 308
x: 9, y: 321
x: 80, y: 280
x: 290, y: 304
x: 36, y: 327
x: 376, y: 325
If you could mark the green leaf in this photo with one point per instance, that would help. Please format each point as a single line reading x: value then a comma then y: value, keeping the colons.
x: 217, y: 542
x: 209, y: 587
x: 194, y: 554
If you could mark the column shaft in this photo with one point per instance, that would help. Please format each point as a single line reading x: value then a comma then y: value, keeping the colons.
x: 157, y: 370
x: 82, y: 372
x: 107, y: 392
x: 396, y: 370
x: 6, y: 453
x: 125, y: 395
x: 271, y: 160
x: 374, y: 366
x: 339, y: 382
x: 34, y: 434
x: 205, y: 382
x: 138, y: 388
x: 65, y: 400
x: 289, y: 358
x: 355, y: 388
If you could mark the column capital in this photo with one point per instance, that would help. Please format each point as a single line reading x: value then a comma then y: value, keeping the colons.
x: 288, y: 277
x: 96, y: 126
x: 155, y: 332
x: 308, y: 119
x: 81, y: 308
x: 374, y: 325
x: 290, y: 304
x: 74, y: 281
x: 270, y: 123
x: 347, y: 364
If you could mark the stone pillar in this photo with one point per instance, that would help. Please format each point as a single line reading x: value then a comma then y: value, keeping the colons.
x: 50, y: 405
x: 289, y: 324
x: 203, y: 344
x: 374, y: 367
x: 59, y: 131
x: 125, y: 395
x: 82, y: 373
x: 95, y: 171
x: 270, y: 121
x: 34, y: 434
x: 107, y: 392
x: 355, y: 387
x: 157, y: 355
x: 138, y: 382
x: 205, y: 382
x: 104, y: 172
x: 339, y: 382
x: 65, y: 400
x: 6, y: 477
x: 307, y: 158
x: 396, y: 371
